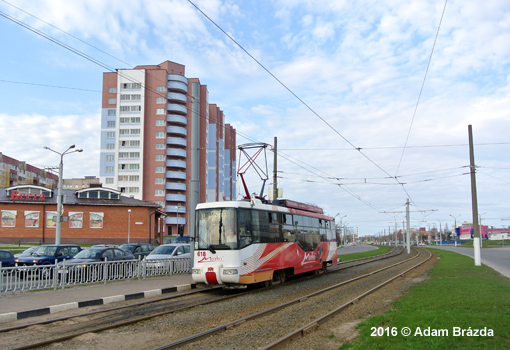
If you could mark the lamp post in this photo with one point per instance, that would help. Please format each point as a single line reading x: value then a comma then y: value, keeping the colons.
x: 177, y: 217
x: 59, y: 189
x: 129, y: 224
x: 455, y: 227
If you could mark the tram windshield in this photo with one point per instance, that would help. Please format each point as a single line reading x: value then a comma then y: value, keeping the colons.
x: 216, y: 229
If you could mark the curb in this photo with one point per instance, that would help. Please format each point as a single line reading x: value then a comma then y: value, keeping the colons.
x: 13, y: 316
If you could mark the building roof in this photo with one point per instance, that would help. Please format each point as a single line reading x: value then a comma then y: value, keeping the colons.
x: 97, y: 196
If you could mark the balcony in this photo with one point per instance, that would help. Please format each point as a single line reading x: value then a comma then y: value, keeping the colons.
x: 177, y: 119
x: 176, y: 97
x: 178, y: 86
x: 176, y: 108
x: 176, y: 152
x: 176, y: 186
x: 176, y: 209
x: 176, y: 164
x: 176, y: 198
x: 175, y: 220
x: 177, y: 175
x: 177, y: 130
x: 176, y: 141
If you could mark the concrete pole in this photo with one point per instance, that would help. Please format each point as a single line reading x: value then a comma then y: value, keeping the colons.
x: 474, y: 201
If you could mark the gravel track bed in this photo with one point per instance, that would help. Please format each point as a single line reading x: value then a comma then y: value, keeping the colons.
x: 165, y: 329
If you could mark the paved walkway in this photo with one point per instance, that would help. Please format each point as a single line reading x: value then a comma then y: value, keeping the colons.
x: 14, y: 306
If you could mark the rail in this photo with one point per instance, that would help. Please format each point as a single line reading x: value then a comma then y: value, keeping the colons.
x: 66, y: 273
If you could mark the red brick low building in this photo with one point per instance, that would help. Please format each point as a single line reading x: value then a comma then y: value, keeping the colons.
x: 90, y: 216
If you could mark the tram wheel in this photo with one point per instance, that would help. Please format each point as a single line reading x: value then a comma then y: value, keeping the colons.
x: 281, y: 276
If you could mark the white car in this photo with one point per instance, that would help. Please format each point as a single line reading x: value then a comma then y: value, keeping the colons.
x: 167, y: 259
x: 173, y: 250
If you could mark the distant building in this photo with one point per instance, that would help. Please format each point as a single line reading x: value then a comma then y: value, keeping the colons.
x: 154, y: 120
x: 14, y: 172
x: 76, y: 184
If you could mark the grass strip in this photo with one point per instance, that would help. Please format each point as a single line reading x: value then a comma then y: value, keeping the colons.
x: 382, y: 250
x: 456, y: 294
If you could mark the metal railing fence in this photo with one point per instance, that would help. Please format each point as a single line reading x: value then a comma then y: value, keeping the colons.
x: 68, y: 273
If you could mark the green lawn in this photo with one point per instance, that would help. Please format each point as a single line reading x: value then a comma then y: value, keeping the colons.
x: 457, y: 294
x: 381, y: 250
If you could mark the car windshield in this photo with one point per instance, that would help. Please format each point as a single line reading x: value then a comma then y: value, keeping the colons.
x: 29, y: 250
x: 89, y: 254
x: 45, y: 251
x: 128, y: 247
x: 163, y: 249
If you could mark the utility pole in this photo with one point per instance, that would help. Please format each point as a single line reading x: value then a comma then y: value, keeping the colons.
x: 408, y: 231
x: 275, y: 168
x: 474, y: 200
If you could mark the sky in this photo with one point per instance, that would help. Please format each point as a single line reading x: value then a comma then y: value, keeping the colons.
x: 370, y: 101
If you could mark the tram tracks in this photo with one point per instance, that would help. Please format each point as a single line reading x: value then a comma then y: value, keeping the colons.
x: 123, y: 317
x: 268, y: 327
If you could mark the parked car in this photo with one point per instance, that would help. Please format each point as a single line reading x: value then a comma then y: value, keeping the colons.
x: 176, y: 239
x: 173, y: 250
x: 105, y: 246
x: 26, y: 252
x: 421, y: 244
x: 6, y: 258
x: 85, y: 265
x: 161, y: 259
x: 139, y: 250
x: 503, y: 243
x: 47, y: 254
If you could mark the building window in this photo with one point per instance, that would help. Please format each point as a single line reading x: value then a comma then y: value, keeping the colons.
x: 110, y: 123
x: 160, y: 134
x: 124, y: 120
x: 131, y: 86
x: 160, y: 181
x: 110, y: 135
x: 160, y: 146
x: 160, y: 111
x: 135, y: 131
x: 123, y: 154
x: 124, y: 132
x: 161, y: 100
x: 31, y: 218
x: 134, y: 154
x: 134, y: 166
x: 123, y: 178
x: 109, y: 169
x: 111, y: 112
x: 134, y: 178
x: 135, y: 120
x: 135, y: 143
x: 112, y: 101
x: 160, y: 169
x: 112, y: 90
x: 161, y: 88
x: 160, y: 203
x: 133, y: 189
x: 125, y: 108
x: 109, y: 180
x: 160, y: 122
x: 136, y: 108
x: 160, y: 157
x: 110, y: 146
x: 159, y: 192
x: 110, y: 158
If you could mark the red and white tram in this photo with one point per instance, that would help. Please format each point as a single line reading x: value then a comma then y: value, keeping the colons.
x: 239, y: 243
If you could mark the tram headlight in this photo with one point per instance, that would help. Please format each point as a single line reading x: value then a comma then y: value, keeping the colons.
x: 230, y: 271
x: 196, y: 271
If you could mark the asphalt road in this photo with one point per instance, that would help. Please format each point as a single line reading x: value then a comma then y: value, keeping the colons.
x: 497, y: 258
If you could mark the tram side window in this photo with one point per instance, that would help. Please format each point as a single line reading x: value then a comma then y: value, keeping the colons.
x: 245, y: 227
x: 288, y: 228
x: 260, y: 226
x: 275, y: 227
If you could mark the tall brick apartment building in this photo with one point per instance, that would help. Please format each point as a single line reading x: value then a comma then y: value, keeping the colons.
x: 163, y: 142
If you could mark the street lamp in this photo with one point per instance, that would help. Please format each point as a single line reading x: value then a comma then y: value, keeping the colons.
x: 59, y: 189
x: 129, y: 224
x: 455, y: 226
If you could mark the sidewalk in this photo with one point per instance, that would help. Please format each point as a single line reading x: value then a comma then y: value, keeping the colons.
x: 20, y: 305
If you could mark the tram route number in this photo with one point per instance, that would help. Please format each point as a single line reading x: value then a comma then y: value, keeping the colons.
x: 201, y: 254
x: 381, y: 331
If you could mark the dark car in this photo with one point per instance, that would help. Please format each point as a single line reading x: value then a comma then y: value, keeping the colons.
x: 47, y: 254
x: 26, y: 252
x: 86, y: 266
x: 6, y: 258
x: 139, y: 250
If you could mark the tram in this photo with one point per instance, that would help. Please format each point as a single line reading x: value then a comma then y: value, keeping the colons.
x: 245, y: 242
